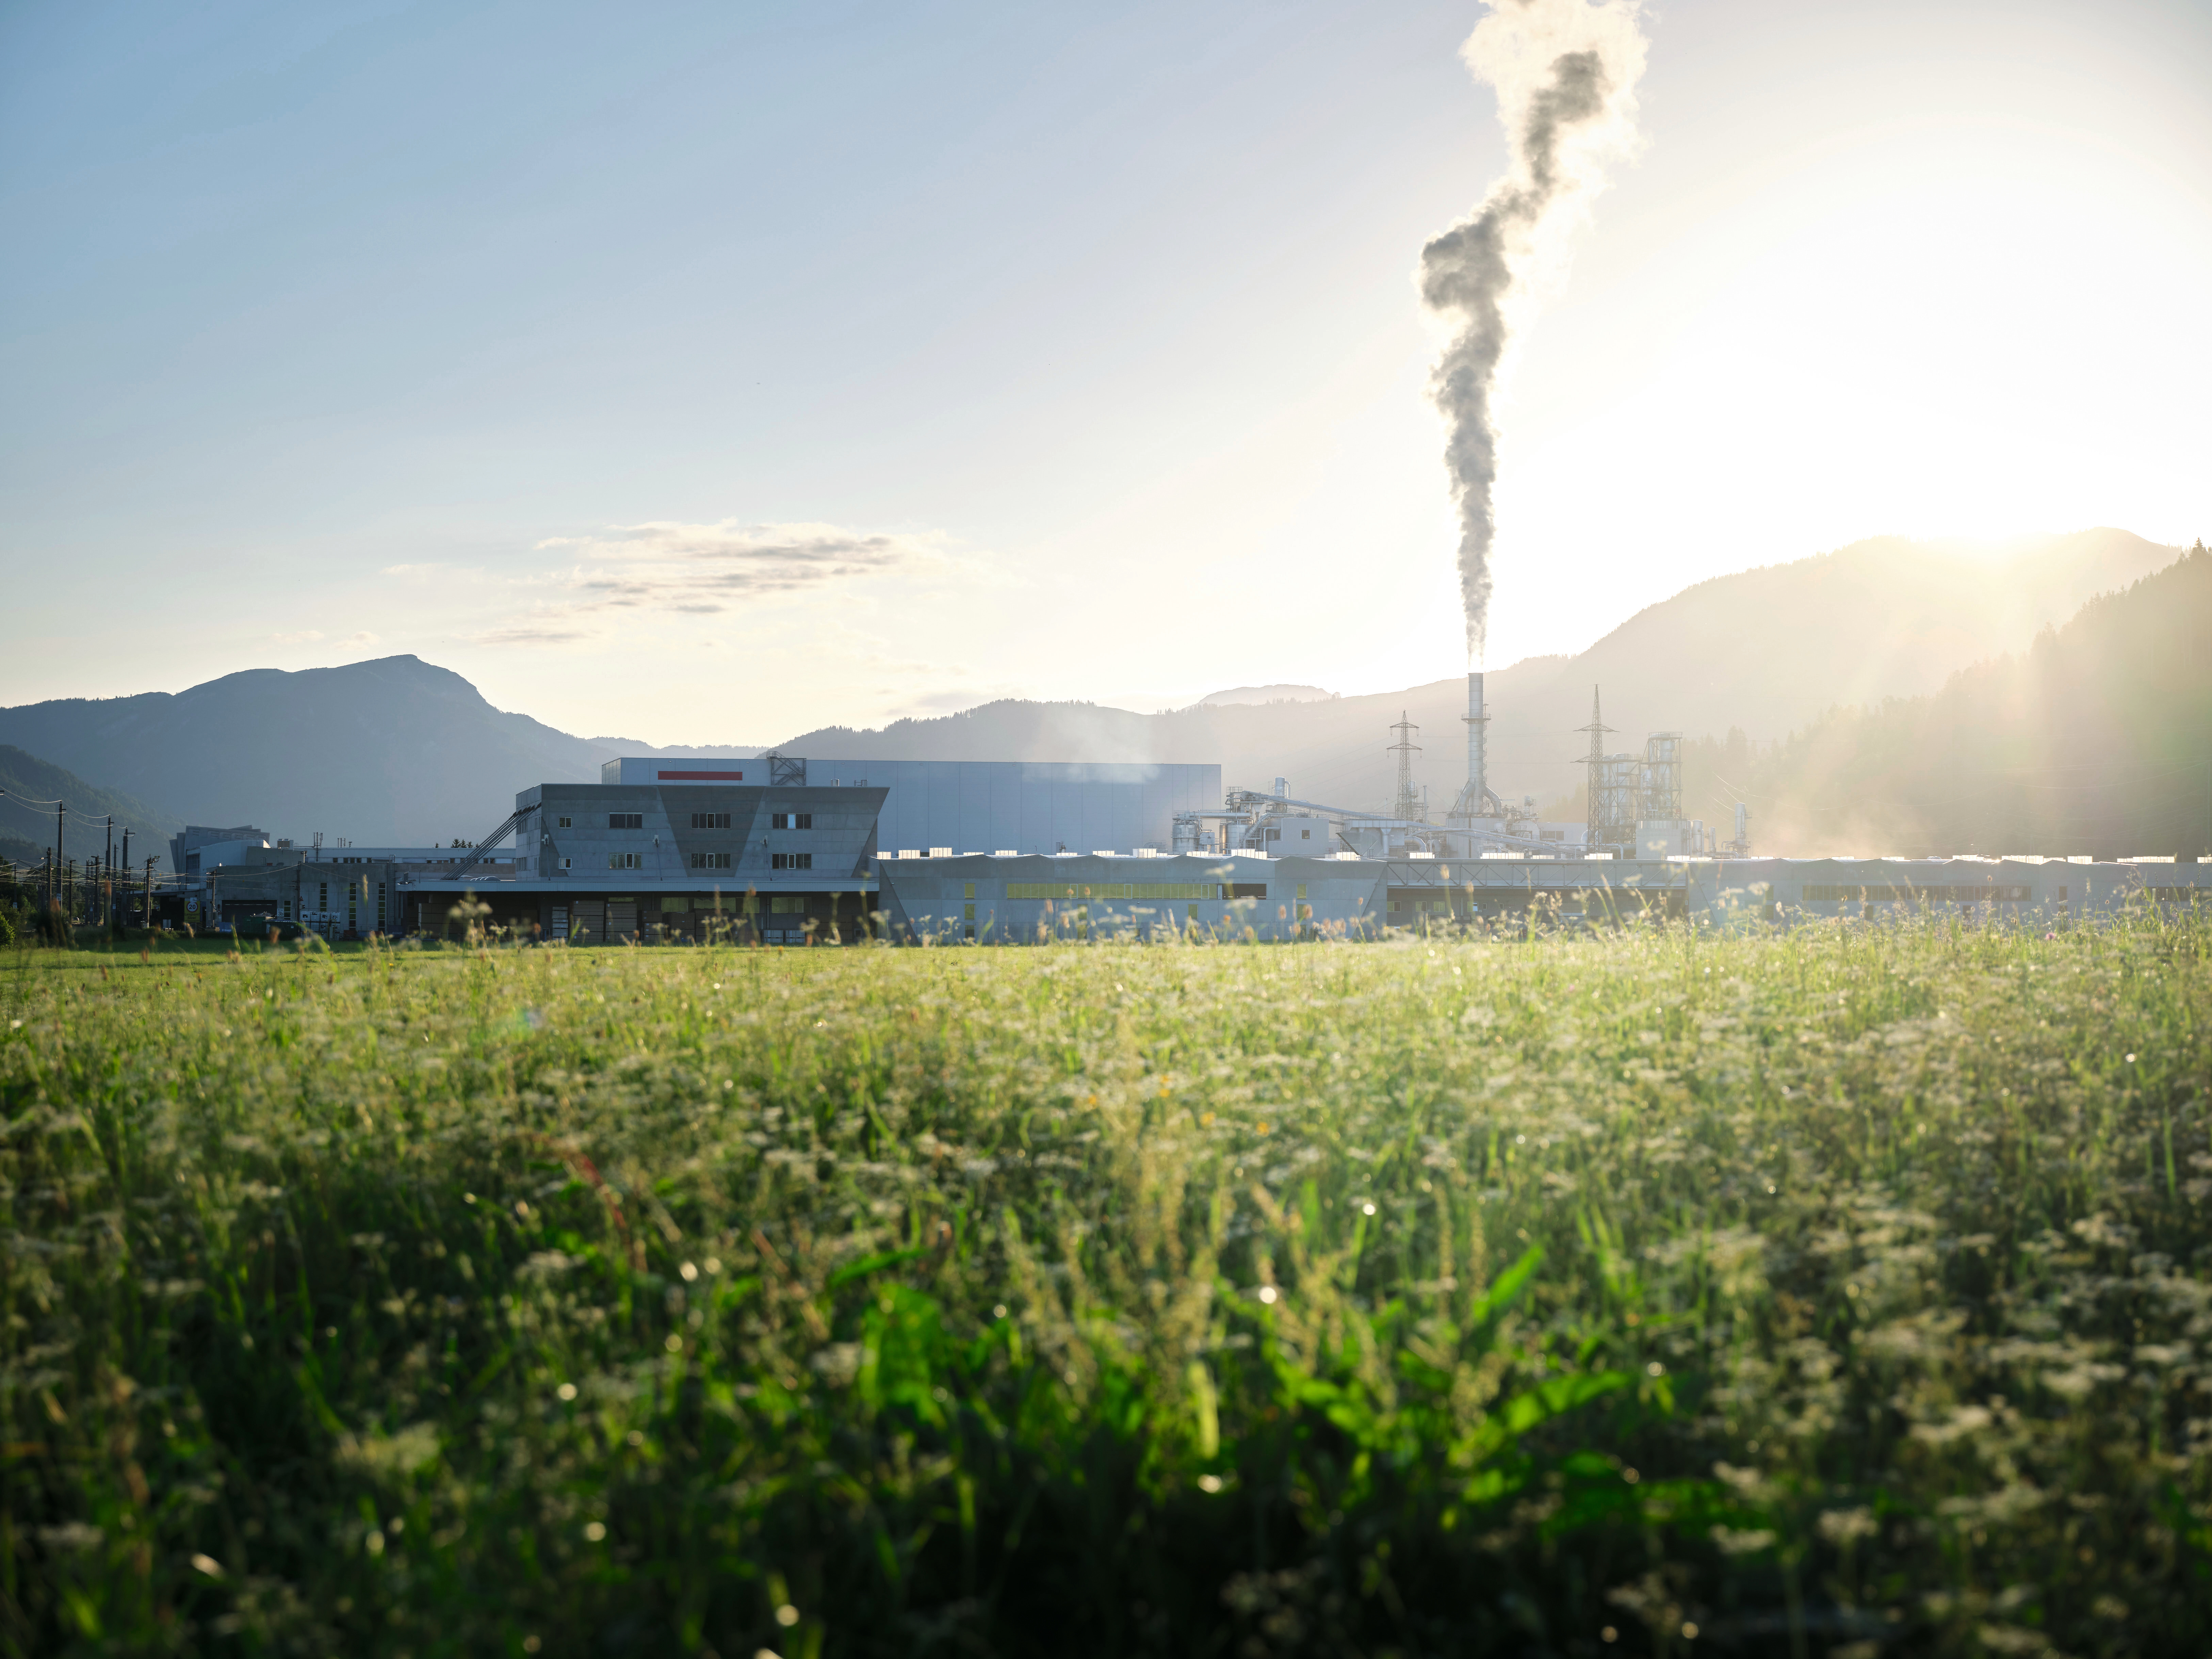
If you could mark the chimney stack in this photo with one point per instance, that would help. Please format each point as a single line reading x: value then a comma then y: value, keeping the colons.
x: 1477, y: 783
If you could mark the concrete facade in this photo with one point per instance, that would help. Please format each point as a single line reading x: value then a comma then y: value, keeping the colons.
x: 654, y: 863
x: 349, y: 900
x: 718, y: 835
x: 973, y: 806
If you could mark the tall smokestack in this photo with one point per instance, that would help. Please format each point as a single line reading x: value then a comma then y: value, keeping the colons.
x: 1478, y: 783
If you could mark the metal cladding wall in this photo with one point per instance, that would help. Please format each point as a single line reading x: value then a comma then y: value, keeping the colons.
x: 1024, y: 900
x: 1029, y: 807
x: 2026, y: 889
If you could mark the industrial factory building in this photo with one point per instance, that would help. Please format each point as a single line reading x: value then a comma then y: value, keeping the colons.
x: 777, y: 850
x: 1019, y: 901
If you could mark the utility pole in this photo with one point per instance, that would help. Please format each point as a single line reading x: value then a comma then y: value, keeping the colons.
x: 149, y: 895
x: 1409, y: 806
x: 1595, y: 760
x: 61, y: 811
x: 123, y: 869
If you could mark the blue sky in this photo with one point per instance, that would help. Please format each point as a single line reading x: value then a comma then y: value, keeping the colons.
x: 1053, y: 351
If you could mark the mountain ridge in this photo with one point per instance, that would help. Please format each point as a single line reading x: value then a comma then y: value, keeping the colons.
x: 27, y: 825
x: 396, y: 750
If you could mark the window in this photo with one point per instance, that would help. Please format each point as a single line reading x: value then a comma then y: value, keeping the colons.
x: 564, y: 823
x: 787, y: 904
x: 968, y: 914
x: 1302, y: 892
x: 710, y: 860
x: 625, y: 820
x: 621, y: 861
x: 710, y: 820
x: 322, y: 896
x: 791, y: 860
x: 791, y: 820
x: 567, y: 864
x: 1115, y: 890
x: 971, y: 890
x: 1886, y: 894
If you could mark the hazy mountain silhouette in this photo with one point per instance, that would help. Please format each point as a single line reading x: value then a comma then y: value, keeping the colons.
x: 399, y: 750
x: 1765, y: 651
x: 26, y: 823
x: 390, y: 751
x: 2091, y: 741
x: 1241, y: 694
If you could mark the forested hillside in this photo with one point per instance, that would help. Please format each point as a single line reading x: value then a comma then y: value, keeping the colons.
x: 2098, y: 738
x: 28, y: 784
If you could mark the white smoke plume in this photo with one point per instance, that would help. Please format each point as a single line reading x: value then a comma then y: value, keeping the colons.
x: 1565, y: 74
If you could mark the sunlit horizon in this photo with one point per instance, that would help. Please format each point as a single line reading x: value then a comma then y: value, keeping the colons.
x: 1075, y: 360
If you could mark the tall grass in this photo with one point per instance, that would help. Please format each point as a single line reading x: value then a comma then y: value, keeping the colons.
x: 1844, y: 1291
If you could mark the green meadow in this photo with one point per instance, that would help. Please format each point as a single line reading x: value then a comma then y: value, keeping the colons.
x: 1846, y: 1291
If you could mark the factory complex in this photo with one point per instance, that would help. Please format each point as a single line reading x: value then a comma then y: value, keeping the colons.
x: 776, y: 850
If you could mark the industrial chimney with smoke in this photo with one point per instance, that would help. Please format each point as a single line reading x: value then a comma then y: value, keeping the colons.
x: 1476, y: 799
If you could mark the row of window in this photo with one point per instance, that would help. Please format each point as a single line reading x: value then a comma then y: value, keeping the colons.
x: 705, y: 821
x: 356, y: 899
x: 1890, y: 895
x: 1134, y: 890
x: 710, y: 861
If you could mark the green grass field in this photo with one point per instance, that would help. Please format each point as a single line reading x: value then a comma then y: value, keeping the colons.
x: 1847, y: 1293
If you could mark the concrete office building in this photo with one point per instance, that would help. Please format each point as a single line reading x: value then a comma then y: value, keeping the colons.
x: 985, y: 806
x: 349, y: 900
x: 631, y: 860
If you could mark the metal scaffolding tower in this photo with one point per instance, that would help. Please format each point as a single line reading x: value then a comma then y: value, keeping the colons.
x: 1663, y: 778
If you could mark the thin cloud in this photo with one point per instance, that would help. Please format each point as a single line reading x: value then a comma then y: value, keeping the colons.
x: 528, y: 635
x: 701, y: 570
x: 305, y: 636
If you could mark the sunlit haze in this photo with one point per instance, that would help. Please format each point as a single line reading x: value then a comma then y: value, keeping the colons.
x: 705, y: 374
